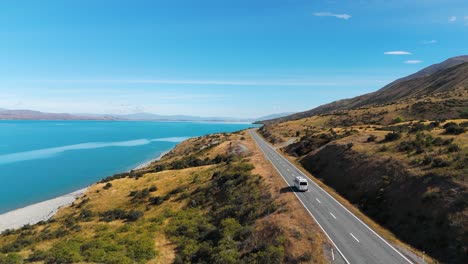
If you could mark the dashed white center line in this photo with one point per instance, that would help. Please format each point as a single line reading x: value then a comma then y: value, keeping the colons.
x: 318, y: 201
x: 333, y: 215
x: 354, y: 237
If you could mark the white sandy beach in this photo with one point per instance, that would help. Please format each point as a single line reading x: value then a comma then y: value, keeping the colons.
x: 43, y: 211
x: 35, y: 213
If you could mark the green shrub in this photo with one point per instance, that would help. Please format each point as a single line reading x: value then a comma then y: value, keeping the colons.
x: 392, y: 136
x: 107, y: 186
x: 37, y: 255
x: 86, y: 215
x: 140, y: 248
x: 235, y: 199
x: 11, y: 258
x: 440, y: 163
x: 112, y: 215
x: 464, y: 113
x: 397, y: 120
x: 452, y: 128
x: 453, y: 148
x: 133, y: 215
x: 157, y: 200
x: 64, y: 252
x: 427, y: 160
x: 371, y: 138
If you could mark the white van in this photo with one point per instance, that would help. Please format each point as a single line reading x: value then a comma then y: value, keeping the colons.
x: 301, y: 184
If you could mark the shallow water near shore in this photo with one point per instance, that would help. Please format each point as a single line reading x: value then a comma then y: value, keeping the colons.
x: 40, y: 160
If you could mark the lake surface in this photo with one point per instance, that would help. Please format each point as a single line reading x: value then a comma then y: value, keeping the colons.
x: 40, y: 160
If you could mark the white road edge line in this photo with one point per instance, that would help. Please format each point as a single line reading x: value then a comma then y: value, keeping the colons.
x: 333, y: 215
x: 282, y: 176
x: 354, y: 237
x: 346, y: 209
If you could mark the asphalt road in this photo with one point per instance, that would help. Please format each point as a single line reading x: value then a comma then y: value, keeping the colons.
x: 354, y: 241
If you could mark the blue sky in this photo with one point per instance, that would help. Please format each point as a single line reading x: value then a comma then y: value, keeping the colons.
x: 239, y: 58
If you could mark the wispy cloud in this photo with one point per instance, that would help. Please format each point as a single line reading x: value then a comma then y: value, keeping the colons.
x: 428, y: 42
x: 195, y: 82
x: 397, y: 52
x: 329, y: 14
x: 413, y: 61
x: 466, y: 20
x: 452, y: 19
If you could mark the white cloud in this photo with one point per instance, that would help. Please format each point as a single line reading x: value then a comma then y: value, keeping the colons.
x: 328, y: 14
x: 413, y: 61
x: 397, y: 52
x: 428, y: 42
x: 197, y: 82
x: 452, y: 19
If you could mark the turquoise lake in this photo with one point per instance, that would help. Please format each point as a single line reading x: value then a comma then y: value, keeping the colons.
x: 40, y: 160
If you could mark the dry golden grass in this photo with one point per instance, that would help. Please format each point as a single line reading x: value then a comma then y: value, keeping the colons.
x: 299, y: 228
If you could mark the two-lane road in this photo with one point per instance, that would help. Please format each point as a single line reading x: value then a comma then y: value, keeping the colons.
x: 355, y: 241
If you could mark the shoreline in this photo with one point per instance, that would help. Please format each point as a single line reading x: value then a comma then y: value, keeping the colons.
x: 147, y: 163
x: 45, y: 210
x: 35, y: 213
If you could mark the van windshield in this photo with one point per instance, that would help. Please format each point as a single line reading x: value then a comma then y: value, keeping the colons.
x: 303, y: 183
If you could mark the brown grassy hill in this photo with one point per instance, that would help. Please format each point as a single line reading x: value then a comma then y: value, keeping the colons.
x: 400, y: 155
x: 213, y: 199
x: 440, y: 78
x: 410, y: 177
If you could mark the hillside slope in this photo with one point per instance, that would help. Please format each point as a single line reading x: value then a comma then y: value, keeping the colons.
x: 438, y: 78
x: 400, y: 155
x: 212, y: 199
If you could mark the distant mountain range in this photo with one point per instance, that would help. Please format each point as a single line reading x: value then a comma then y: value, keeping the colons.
x: 6, y: 114
x: 441, y: 77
